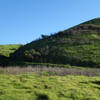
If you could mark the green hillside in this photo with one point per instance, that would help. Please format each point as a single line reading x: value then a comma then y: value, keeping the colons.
x: 5, y: 50
x: 79, y: 45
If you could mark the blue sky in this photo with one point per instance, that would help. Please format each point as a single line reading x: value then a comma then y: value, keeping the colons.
x: 22, y: 21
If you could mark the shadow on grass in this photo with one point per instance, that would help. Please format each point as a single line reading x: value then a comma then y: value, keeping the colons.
x: 96, y: 82
x: 42, y: 97
x: 84, y: 82
x: 97, y: 87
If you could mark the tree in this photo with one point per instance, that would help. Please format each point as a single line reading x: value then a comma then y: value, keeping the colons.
x: 31, y: 54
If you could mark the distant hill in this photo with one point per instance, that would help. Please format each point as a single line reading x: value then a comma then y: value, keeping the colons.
x: 79, y: 45
x: 5, y: 50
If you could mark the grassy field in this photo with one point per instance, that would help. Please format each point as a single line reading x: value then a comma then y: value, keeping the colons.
x: 29, y: 86
x: 5, y: 50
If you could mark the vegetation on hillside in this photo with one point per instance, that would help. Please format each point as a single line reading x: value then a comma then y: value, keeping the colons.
x: 6, y: 50
x: 95, y: 21
x: 79, y: 46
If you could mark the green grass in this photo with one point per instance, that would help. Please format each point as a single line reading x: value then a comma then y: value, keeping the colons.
x: 5, y: 50
x: 35, y: 87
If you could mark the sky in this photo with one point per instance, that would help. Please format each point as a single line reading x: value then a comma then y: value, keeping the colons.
x: 23, y: 21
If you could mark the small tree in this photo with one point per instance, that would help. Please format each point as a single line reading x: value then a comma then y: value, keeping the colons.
x: 44, y: 36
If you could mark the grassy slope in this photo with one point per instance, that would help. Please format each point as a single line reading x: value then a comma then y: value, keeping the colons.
x: 79, y: 45
x: 5, y: 50
x: 33, y: 87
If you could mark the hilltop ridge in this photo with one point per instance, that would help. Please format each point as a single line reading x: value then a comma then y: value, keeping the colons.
x: 95, y: 21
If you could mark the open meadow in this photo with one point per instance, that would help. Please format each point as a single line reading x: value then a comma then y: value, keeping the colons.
x: 36, y: 83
